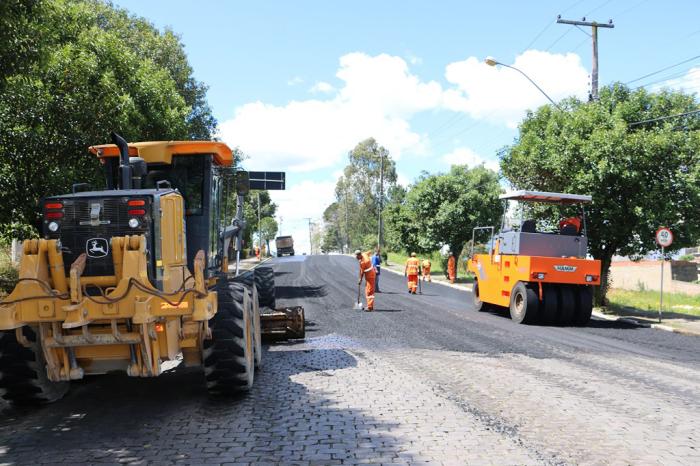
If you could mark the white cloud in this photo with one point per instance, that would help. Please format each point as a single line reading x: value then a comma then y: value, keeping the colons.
x: 295, y: 81
x: 466, y: 156
x: 414, y: 60
x: 690, y: 82
x: 377, y: 98
x: 322, y: 87
x: 305, y: 199
x: 502, y: 95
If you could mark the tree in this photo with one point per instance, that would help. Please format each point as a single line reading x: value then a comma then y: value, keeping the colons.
x: 268, y: 230
x: 641, y: 176
x: 358, y: 195
x: 250, y: 213
x: 83, y: 68
x: 444, y: 208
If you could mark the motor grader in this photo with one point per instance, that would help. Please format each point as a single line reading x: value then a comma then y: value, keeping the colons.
x: 538, y: 267
x: 128, y: 277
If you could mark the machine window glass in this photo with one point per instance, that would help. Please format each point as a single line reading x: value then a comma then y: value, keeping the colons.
x: 185, y: 174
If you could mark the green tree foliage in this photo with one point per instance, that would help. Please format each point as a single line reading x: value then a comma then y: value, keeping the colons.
x: 268, y: 231
x: 357, y: 197
x: 250, y: 213
x: 640, y: 176
x: 443, y: 209
x: 74, y: 70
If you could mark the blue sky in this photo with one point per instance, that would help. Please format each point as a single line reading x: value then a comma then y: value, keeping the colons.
x: 297, y: 84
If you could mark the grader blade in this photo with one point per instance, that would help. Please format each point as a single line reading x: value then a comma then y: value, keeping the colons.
x: 282, y: 324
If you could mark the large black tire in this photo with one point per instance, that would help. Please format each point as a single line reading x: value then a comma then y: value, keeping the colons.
x: 550, y: 304
x: 229, y: 357
x: 23, y: 378
x: 478, y: 304
x: 248, y: 279
x: 524, y: 304
x: 584, y: 305
x: 567, y: 305
x: 265, y: 282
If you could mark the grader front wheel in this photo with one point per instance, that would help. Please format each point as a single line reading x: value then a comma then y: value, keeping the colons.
x: 229, y: 355
x: 23, y: 377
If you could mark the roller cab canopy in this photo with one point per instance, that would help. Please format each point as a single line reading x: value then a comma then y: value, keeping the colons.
x: 162, y: 152
x: 541, y: 196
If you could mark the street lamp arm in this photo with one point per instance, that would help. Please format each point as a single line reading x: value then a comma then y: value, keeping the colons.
x: 492, y: 62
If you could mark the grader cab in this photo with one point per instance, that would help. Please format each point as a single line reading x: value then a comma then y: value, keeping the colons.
x: 537, y: 265
x: 126, y: 278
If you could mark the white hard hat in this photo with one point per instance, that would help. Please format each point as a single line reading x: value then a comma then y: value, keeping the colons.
x: 357, y: 251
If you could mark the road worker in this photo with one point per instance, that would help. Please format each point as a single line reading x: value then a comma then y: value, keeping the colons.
x: 257, y: 252
x: 367, y: 271
x: 411, y: 271
x: 376, y: 263
x: 452, y: 267
x: 570, y: 226
x: 426, y: 270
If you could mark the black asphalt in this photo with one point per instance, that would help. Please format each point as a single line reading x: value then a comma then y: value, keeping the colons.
x: 443, y: 318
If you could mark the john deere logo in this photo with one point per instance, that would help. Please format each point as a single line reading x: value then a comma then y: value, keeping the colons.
x: 97, y: 247
x: 565, y: 268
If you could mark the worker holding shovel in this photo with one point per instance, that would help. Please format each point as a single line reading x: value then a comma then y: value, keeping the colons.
x: 367, y: 271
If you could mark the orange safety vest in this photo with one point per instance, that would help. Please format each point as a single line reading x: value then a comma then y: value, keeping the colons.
x: 366, y: 263
x: 412, y: 266
x: 426, y: 264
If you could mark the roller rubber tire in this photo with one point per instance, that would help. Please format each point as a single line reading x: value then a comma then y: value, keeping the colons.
x: 550, y: 304
x: 265, y: 282
x: 524, y: 304
x: 229, y: 357
x: 567, y: 305
x: 23, y: 378
x: 478, y: 304
x: 584, y: 305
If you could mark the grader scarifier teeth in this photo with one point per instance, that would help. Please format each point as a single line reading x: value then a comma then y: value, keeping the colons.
x: 283, y: 323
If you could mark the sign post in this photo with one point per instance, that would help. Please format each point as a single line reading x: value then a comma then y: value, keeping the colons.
x: 664, y: 238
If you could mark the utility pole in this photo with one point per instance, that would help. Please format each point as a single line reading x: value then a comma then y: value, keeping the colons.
x: 347, y: 231
x: 260, y: 245
x: 381, y: 198
x: 594, y: 36
x: 311, y: 247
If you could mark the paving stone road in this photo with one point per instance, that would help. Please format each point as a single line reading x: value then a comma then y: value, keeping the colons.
x: 425, y: 380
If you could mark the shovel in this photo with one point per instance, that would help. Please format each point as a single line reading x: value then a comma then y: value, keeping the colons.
x: 358, y: 304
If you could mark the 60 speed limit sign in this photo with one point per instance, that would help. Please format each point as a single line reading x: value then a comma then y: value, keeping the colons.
x: 664, y: 237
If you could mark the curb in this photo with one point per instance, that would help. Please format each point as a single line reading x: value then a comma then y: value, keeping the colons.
x: 639, y: 323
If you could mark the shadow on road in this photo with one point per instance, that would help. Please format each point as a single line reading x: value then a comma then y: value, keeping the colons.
x: 302, y: 291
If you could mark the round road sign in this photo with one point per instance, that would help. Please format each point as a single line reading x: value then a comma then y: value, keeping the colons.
x: 664, y: 237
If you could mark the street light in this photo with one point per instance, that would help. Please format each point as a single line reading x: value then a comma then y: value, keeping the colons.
x: 493, y: 62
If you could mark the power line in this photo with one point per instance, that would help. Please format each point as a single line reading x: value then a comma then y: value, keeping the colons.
x: 664, y: 69
x: 668, y: 77
x: 636, y: 123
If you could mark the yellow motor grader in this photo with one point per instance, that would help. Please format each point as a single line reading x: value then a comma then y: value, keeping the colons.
x: 128, y: 277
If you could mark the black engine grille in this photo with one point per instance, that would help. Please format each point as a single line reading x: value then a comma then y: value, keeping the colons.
x: 78, y: 235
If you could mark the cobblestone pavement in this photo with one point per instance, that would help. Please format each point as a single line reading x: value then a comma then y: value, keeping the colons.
x: 421, y: 381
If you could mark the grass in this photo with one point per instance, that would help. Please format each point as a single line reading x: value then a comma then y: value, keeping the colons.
x: 436, y: 270
x: 647, y: 302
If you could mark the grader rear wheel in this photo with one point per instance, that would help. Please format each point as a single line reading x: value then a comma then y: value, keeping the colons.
x: 23, y: 378
x: 265, y: 282
x: 229, y: 355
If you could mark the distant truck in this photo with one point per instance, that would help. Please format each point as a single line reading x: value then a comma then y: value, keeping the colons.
x: 285, y: 245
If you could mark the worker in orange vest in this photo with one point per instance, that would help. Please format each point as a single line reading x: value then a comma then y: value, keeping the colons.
x: 257, y: 252
x: 452, y: 267
x: 367, y: 271
x: 411, y: 271
x: 426, y: 270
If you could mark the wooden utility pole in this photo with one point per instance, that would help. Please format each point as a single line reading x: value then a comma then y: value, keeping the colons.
x: 594, y: 37
x: 381, y: 199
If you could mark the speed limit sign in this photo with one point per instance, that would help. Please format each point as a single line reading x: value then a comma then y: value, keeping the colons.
x: 664, y: 237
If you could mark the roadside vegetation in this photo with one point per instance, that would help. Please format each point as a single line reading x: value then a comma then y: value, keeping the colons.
x: 646, y: 303
x: 8, y: 272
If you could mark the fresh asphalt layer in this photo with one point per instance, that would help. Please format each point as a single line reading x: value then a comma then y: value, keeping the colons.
x: 443, y: 318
